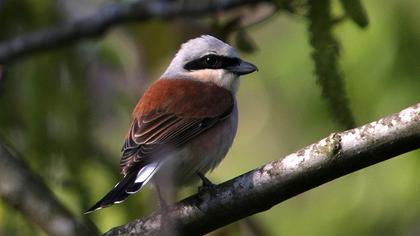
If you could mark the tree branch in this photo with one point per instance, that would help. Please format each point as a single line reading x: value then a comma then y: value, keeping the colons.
x: 25, y: 191
x: 262, y: 188
x: 95, y: 25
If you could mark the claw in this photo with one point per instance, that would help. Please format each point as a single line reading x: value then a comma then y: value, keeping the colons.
x: 207, y: 184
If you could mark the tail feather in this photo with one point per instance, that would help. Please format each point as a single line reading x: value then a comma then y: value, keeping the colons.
x: 116, y: 195
x: 131, y: 183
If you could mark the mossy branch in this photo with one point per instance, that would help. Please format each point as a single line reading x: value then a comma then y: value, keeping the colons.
x: 325, y: 54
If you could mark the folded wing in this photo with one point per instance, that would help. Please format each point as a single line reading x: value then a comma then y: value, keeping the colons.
x: 170, y: 113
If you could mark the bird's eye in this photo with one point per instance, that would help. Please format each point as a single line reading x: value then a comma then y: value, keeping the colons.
x: 210, y: 60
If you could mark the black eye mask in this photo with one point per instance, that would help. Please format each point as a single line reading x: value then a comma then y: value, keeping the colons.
x: 212, y: 61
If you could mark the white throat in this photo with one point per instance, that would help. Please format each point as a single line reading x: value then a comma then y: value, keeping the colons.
x: 220, y: 77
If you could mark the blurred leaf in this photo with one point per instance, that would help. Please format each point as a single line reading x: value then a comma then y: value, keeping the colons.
x: 31, y: 14
x: 223, y: 29
x: 2, y: 77
x: 355, y: 10
x: 298, y: 7
x: 109, y: 56
x: 325, y: 55
x: 244, y: 42
x: 407, y: 31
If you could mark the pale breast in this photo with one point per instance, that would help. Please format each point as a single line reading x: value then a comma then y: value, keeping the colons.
x: 201, y: 154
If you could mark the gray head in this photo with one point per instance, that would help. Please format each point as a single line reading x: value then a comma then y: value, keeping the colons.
x: 208, y: 59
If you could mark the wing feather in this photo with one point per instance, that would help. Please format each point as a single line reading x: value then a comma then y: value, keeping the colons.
x: 189, y: 108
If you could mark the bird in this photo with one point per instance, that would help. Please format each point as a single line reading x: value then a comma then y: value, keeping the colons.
x: 185, y: 122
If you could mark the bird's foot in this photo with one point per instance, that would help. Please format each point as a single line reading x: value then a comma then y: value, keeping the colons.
x: 207, y: 184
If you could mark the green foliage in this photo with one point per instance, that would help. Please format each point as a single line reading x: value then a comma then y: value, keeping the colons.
x: 325, y: 55
x: 354, y: 9
x: 244, y: 42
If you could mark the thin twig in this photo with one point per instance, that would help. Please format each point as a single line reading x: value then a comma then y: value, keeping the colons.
x: 104, y: 19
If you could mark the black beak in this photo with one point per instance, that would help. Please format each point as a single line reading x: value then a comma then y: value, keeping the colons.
x: 243, y: 68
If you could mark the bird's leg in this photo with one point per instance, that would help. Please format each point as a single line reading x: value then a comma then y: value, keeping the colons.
x: 206, y: 182
x: 162, y: 202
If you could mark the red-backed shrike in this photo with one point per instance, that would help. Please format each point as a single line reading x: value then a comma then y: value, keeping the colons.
x: 186, y: 121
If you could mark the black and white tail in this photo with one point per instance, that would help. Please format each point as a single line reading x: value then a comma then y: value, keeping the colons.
x: 130, y: 184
